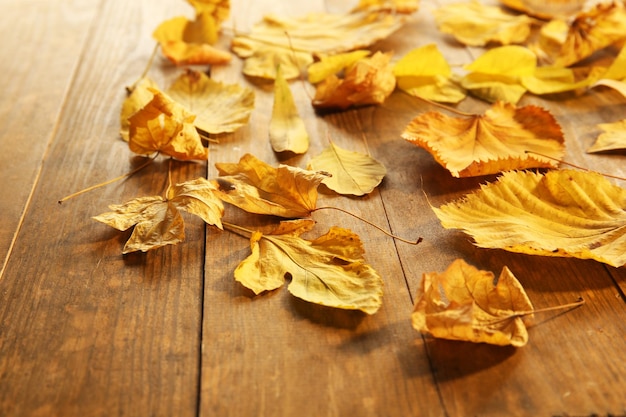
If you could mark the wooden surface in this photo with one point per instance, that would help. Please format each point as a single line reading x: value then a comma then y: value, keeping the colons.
x: 85, y: 331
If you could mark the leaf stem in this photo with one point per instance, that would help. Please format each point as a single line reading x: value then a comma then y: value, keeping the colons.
x: 237, y: 229
x: 102, y: 184
x: 411, y: 242
x: 577, y: 166
x: 146, y: 70
x: 444, y: 107
x: 578, y: 303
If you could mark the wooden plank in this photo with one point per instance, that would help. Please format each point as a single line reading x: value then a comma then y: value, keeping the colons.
x: 275, y: 355
x: 85, y: 331
x: 36, y: 75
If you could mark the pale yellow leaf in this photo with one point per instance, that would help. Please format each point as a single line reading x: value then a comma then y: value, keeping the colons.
x: 464, y: 303
x: 332, y: 64
x: 612, y: 138
x: 137, y: 99
x: 560, y: 213
x: 287, y: 131
x: 351, y: 172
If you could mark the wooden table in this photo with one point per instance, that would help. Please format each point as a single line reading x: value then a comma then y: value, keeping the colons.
x: 85, y: 331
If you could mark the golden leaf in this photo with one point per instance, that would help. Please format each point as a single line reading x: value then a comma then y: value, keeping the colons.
x: 613, y: 138
x: 333, y: 64
x: 158, y: 221
x: 496, y: 75
x: 219, y: 9
x: 546, y: 9
x: 351, y: 172
x: 218, y: 107
x: 464, y: 303
x: 476, y: 24
x: 186, y: 42
x: 287, y: 130
x: 615, y: 76
x: 399, y: 6
x: 276, y: 41
x: 165, y: 126
x: 566, y: 43
x: 368, y: 81
x: 551, y: 80
x: 561, y: 213
x: 329, y: 270
x: 497, y: 141
x: 424, y: 72
x: 257, y: 187
x: 138, y: 98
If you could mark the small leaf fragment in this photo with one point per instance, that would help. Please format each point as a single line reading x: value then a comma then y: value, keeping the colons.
x: 287, y: 131
x: 464, y: 303
x: 612, y: 138
x: 351, y: 172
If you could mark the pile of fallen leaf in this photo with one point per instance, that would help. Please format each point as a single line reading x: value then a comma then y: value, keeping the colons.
x: 557, y: 213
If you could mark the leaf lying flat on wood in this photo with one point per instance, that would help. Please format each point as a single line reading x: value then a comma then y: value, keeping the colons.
x: 287, y: 130
x: 329, y: 270
x: 464, y: 303
x: 612, y: 138
x: 561, y: 213
x: 490, y: 143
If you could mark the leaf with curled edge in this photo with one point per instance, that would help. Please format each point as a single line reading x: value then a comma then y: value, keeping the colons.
x: 560, y: 213
x: 257, y: 187
x: 504, y: 138
x: 329, y: 270
x: 464, y: 303
x: 612, y: 138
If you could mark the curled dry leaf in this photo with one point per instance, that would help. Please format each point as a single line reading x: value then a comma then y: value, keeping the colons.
x: 158, y: 221
x: 615, y: 75
x: 424, y: 72
x: 219, y: 9
x: 332, y: 64
x: 218, y: 107
x: 292, y: 42
x: 399, y: 6
x: 165, y: 126
x: 368, y: 81
x: 257, y: 187
x: 140, y: 95
x: 329, y: 270
x: 567, y: 42
x: 351, y: 172
x: 475, y: 24
x: 612, y: 138
x: 561, y: 213
x: 287, y: 130
x: 546, y: 9
x: 464, y: 303
x: 485, y: 144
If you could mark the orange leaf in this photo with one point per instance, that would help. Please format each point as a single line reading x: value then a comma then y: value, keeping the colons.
x: 489, y: 143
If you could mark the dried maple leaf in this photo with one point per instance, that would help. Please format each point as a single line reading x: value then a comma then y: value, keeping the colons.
x: 257, y: 187
x: 287, y: 130
x: 464, y: 303
x: 368, y: 81
x: 475, y: 24
x: 561, y: 213
x: 351, y: 172
x: 485, y: 144
x: 218, y: 107
x: 140, y: 96
x: 164, y: 126
x: 567, y: 42
x: 329, y: 270
x: 292, y: 42
x: 613, y: 138
x: 496, y: 75
x: 158, y: 221
x: 424, y: 72
x: 189, y: 42
x: 332, y: 64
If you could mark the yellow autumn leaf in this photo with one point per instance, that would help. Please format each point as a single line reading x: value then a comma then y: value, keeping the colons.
x: 218, y: 107
x: 165, y: 126
x: 504, y: 138
x: 560, y: 213
x: 615, y: 76
x: 551, y: 80
x: 424, y: 72
x: 189, y: 42
x: 329, y: 270
x: 276, y: 40
x: 219, y: 9
x: 400, y: 6
x: 287, y: 130
x: 333, y: 64
x: 351, y: 172
x: 368, y: 81
x: 546, y: 10
x: 496, y: 74
x: 567, y: 42
x: 136, y: 100
x: 612, y: 138
x: 257, y: 187
x: 475, y: 24
x: 468, y: 304
x: 157, y: 221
